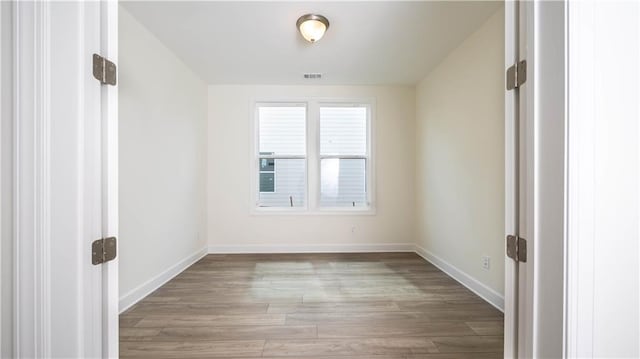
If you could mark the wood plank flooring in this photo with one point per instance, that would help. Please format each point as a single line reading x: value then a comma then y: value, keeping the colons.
x: 320, y: 306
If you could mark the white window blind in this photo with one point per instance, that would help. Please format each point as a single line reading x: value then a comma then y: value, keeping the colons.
x: 343, y: 131
x: 344, y: 157
x: 282, y: 130
x: 281, y: 156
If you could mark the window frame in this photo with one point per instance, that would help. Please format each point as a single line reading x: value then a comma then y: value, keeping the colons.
x: 367, y: 157
x: 256, y: 156
x: 313, y: 157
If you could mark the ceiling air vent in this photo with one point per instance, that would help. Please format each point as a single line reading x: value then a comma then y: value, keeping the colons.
x: 312, y: 76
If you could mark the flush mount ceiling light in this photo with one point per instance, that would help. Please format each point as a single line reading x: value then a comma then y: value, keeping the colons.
x: 312, y: 26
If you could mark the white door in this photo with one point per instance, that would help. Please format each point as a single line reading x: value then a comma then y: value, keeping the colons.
x: 66, y: 180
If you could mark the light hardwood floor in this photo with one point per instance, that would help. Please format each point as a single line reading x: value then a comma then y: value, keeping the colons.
x: 370, y: 305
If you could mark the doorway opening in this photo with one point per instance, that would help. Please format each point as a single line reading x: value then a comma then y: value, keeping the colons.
x: 263, y: 192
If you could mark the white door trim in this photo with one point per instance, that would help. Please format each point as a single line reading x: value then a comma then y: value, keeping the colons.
x: 65, y: 164
x: 578, y: 331
x: 602, y: 288
x: 32, y: 185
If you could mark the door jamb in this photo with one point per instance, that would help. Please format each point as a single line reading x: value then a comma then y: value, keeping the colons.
x: 511, y: 185
x: 109, y: 107
x: 542, y: 27
x: 6, y: 180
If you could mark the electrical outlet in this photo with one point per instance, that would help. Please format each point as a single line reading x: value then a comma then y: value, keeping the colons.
x: 486, y: 262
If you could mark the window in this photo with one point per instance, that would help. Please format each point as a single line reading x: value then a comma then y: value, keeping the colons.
x: 343, y: 157
x: 282, y: 155
x: 313, y: 157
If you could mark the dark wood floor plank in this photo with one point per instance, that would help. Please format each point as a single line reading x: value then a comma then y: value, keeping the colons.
x: 379, y: 318
x: 214, y: 333
x: 468, y: 344
x: 312, y: 306
x: 128, y: 321
x: 465, y: 314
x: 346, y: 347
x: 179, y: 308
x: 496, y: 355
x: 373, y: 297
x: 354, y: 307
x: 390, y: 329
x: 139, y: 334
x: 198, y: 349
x: 172, y: 320
x: 487, y: 327
x: 438, y: 305
x: 223, y: 299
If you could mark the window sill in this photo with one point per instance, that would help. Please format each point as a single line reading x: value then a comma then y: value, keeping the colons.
x: 261, y: 211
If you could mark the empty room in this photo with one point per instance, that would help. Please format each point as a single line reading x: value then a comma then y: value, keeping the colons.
x: 302, y: 194
x: 320, y: 179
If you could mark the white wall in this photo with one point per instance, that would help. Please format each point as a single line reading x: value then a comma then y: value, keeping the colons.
x: 460, y: 158
x: 6, y: 181
x: 162, y: 159
x: 231, y: 227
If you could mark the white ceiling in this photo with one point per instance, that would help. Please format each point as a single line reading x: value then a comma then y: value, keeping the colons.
x: 367, y: 43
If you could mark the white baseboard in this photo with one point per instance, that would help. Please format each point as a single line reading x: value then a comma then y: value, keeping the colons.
x: 329, y: 248
x: 491, y: 296
x: 139, y: 293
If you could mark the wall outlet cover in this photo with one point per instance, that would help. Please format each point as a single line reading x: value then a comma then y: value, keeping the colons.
x: 486, y: 262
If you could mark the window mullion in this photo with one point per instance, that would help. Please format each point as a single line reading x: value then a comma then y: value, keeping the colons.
x: 313, y: 149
